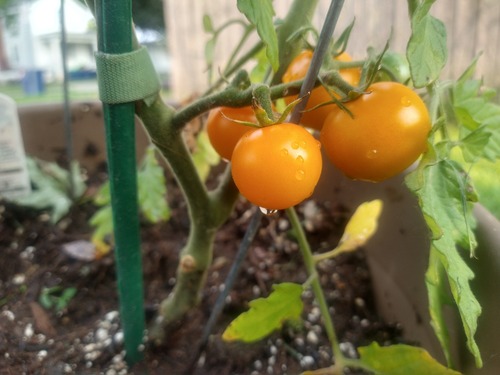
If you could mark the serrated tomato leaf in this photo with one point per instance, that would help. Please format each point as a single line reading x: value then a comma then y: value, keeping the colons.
x: 152, y: 189
x: 401, y: 359
x: 445, y: 197
x: 260, y: 13
x: 476, y: 112
x: 426, y: 50
x: 267, y: 314
x: 474, y: 144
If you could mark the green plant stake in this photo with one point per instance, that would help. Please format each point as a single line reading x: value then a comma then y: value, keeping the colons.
x: 114, y: 20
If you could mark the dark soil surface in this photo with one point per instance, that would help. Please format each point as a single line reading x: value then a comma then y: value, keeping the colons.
x: 85, y: 336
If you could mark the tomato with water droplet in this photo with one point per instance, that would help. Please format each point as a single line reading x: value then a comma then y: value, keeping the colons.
x: 277, y: 166
x: 380, y: 135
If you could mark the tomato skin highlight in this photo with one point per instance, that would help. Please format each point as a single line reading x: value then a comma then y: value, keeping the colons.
x: 387, y: 132
x: 277, y: 166
x: 224, y: 133
x: 297, y: 70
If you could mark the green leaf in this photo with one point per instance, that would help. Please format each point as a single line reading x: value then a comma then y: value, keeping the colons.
x: 267, y: 314
x: 152, y: 189
x: 56, y: 297
x: 260, y: 13
x: 438, y: 293
x: 426, y: 50
x: 477, y: 113
x: 204, y: 155
x: 208, y: 26
x: 474, y: 144
x: 401, y: 359
x: 52, y: 188
x: 485, y: 176
x: 445, y: 197
x: 102, y: 221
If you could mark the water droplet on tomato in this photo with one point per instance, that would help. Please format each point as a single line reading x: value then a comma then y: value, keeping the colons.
x: 300, y: 174
x: 284, y: 152
x: 267, y: 212
x: 372, y: 154
x: 299, y: 159
x: 405, y: 101
x: 295, y: 145
x: 303, y: 144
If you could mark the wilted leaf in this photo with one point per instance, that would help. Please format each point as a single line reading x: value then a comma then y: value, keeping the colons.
x: 360, y: 228
x: 401, y: 359
x: 266, y: 314
x: 362, y: 225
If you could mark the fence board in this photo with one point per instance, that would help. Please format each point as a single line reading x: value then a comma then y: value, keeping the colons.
x: 473, y: 26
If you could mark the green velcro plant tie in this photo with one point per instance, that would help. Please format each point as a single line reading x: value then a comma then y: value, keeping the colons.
x: 126, y: 77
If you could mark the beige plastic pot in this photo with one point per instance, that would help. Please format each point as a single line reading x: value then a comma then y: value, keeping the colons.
x: 43, y: 132
x: 398, y: 256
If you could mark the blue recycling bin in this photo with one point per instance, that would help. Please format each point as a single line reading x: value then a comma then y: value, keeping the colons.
x: 33, y: 83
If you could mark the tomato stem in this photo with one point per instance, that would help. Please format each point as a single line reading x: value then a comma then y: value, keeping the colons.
x: 310, y: 265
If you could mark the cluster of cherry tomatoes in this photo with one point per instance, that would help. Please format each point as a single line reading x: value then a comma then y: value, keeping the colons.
x: 376, y: 136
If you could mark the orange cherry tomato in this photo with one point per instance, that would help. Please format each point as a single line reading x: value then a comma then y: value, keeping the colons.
x: 297, y: 70
x: 384, y: 133
x: 224, y: 133
x: 277, y: 166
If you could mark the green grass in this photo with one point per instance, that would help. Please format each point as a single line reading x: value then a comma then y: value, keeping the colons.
x: 53, y: 92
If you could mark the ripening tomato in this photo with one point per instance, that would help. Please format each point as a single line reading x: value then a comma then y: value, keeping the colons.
x: 384, y: 133
x: 298, y: 69
x: 277, y: 166
x: 224, y: 133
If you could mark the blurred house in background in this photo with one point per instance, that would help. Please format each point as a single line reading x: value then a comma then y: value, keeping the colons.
x: 32, y: 40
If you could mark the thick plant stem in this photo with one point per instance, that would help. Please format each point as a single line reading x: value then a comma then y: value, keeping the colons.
x: 300, y: 13
x: 207, y: 211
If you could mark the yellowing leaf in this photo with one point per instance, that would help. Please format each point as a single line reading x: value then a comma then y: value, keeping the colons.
x: 266, y: 314
x: 362, y: 226
x: 359, y: 229
x: 401, y: 360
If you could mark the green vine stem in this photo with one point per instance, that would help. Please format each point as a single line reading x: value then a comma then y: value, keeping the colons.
x: 234, y: 96
x: 310, y: 265
x: 341, y: 362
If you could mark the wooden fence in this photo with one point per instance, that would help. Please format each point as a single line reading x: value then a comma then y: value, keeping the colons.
x: 473, y: 28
